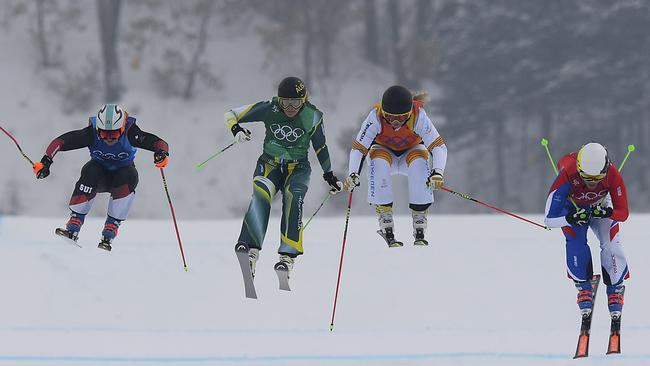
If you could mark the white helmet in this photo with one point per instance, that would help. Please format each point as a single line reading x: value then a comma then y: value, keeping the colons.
x: 593, y: 161
x: 111, y: 117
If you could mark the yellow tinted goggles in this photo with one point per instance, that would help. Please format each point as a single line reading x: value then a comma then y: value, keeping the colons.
x: 591, y: 178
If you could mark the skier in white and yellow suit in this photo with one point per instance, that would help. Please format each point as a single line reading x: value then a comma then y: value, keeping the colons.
x: 400, y: 139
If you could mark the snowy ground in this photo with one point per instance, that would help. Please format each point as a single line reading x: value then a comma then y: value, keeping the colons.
x: 489, y: 290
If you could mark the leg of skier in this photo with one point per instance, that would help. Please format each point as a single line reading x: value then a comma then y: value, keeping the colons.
x: 380, y: 190
x: 296, y: 183
x: 579, y: 265
x: 266, y: 179
x: 122, y: 189
x: 92, y: 176
x: 612, y: 259
x: 420, y: 194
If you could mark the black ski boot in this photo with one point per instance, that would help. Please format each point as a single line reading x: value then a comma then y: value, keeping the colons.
x: 105, y: 244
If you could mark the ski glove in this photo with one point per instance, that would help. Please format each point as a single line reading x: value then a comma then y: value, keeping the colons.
x: 601, y: 212
x: 436, y: 180
x: 333, y: 181
x: 160, y: 158
x: 241, y: 134
x: 578, y: 218
x: 42, y: 168
x: 352, y: 182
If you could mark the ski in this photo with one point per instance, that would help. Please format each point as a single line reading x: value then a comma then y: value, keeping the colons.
x: 615, y: 334
x: 241, y: 250
x: 582, y: 350
x: 67, y: 236
x: 282, y: 271
x: 390, y: 239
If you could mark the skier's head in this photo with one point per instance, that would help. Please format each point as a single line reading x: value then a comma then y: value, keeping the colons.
x: 592, y: 163
x: 292, y: 95
x: 396, y: 106
x: 111, y: 123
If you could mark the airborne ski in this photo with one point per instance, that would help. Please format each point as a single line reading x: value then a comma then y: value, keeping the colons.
x: 582, y: 350
x: 282, y: 270
x: 615, y: 334
x: 68, y: 236
x: 241, y: 250
x: 389, y: 237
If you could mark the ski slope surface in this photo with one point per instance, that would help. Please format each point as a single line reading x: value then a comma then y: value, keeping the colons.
x: 489, y: 290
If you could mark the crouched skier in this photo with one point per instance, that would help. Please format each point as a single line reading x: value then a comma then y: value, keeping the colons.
x: 291, y: 123
x: 112, y: 137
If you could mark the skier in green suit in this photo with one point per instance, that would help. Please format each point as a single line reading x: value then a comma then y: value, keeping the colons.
x: 292, y: 123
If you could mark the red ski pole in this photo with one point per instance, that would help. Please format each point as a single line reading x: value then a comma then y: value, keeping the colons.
x: 462, y: 195
x: 178, y: 235
x: 338, y: 280
x: 17, y: 145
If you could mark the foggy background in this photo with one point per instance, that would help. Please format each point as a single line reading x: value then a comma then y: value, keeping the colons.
x: 502, y: 73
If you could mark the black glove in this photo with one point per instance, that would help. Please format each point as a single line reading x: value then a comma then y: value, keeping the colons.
x: 42, y: 168
x: 160, y: 158
x: 578, y: 218
x: 601, y: 212
x: 333, y: 181
x: 240, y: 133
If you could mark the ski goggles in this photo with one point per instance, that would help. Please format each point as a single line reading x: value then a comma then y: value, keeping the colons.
x: 109, y: 135
x: 294, y: 103
x: 591, y: 178
x: 395, y: 120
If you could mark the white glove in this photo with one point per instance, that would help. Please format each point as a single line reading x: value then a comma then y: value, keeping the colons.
x: 352, y: 182
x: 241, y: 134
x: 436, y: 180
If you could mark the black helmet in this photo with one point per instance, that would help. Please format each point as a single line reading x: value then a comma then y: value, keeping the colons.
x: 397, y: 100
x: 292, y: 87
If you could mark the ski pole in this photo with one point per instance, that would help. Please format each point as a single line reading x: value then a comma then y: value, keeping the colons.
x: 544, y: 143
x: 178, y: 235
x: 318, y: 209
x: 338, y: 280
x: 17, y: 145
x: 200, y: 165
x: 630, y: 148
x: 462, y: 195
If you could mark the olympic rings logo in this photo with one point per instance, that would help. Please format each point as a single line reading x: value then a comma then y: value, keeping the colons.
x: 110, y: 156
x: 286, y: 132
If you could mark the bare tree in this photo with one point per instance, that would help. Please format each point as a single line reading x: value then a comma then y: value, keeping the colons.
x: 393, y: 10
x: 370, y: 32
x: 205, y: 9
x: 108, y: 14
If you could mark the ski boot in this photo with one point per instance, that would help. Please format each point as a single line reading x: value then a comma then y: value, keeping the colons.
x: 72, y: 228
x: 109, y: 233
x: 282, y: 269
x: 385, y: 216
x: 253, y: 256
x: 585, y: 298
x: 615, y: 294
x: 419, y: 226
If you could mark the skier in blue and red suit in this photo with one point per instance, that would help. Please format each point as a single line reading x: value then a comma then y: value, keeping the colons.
x: 112, y: 137
x: 590, y: 192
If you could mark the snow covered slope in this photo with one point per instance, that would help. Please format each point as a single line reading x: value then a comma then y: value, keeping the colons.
x: 489, y: 290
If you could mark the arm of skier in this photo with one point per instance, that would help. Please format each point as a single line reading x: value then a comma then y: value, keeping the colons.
x: 322, y: 153
x: 370, y: 128
x: 72, y: 140
x: 151, y: 142
x: 556, y: 202
x: 247, y: 113
x: 436, y: 146
x: 618, y: 193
